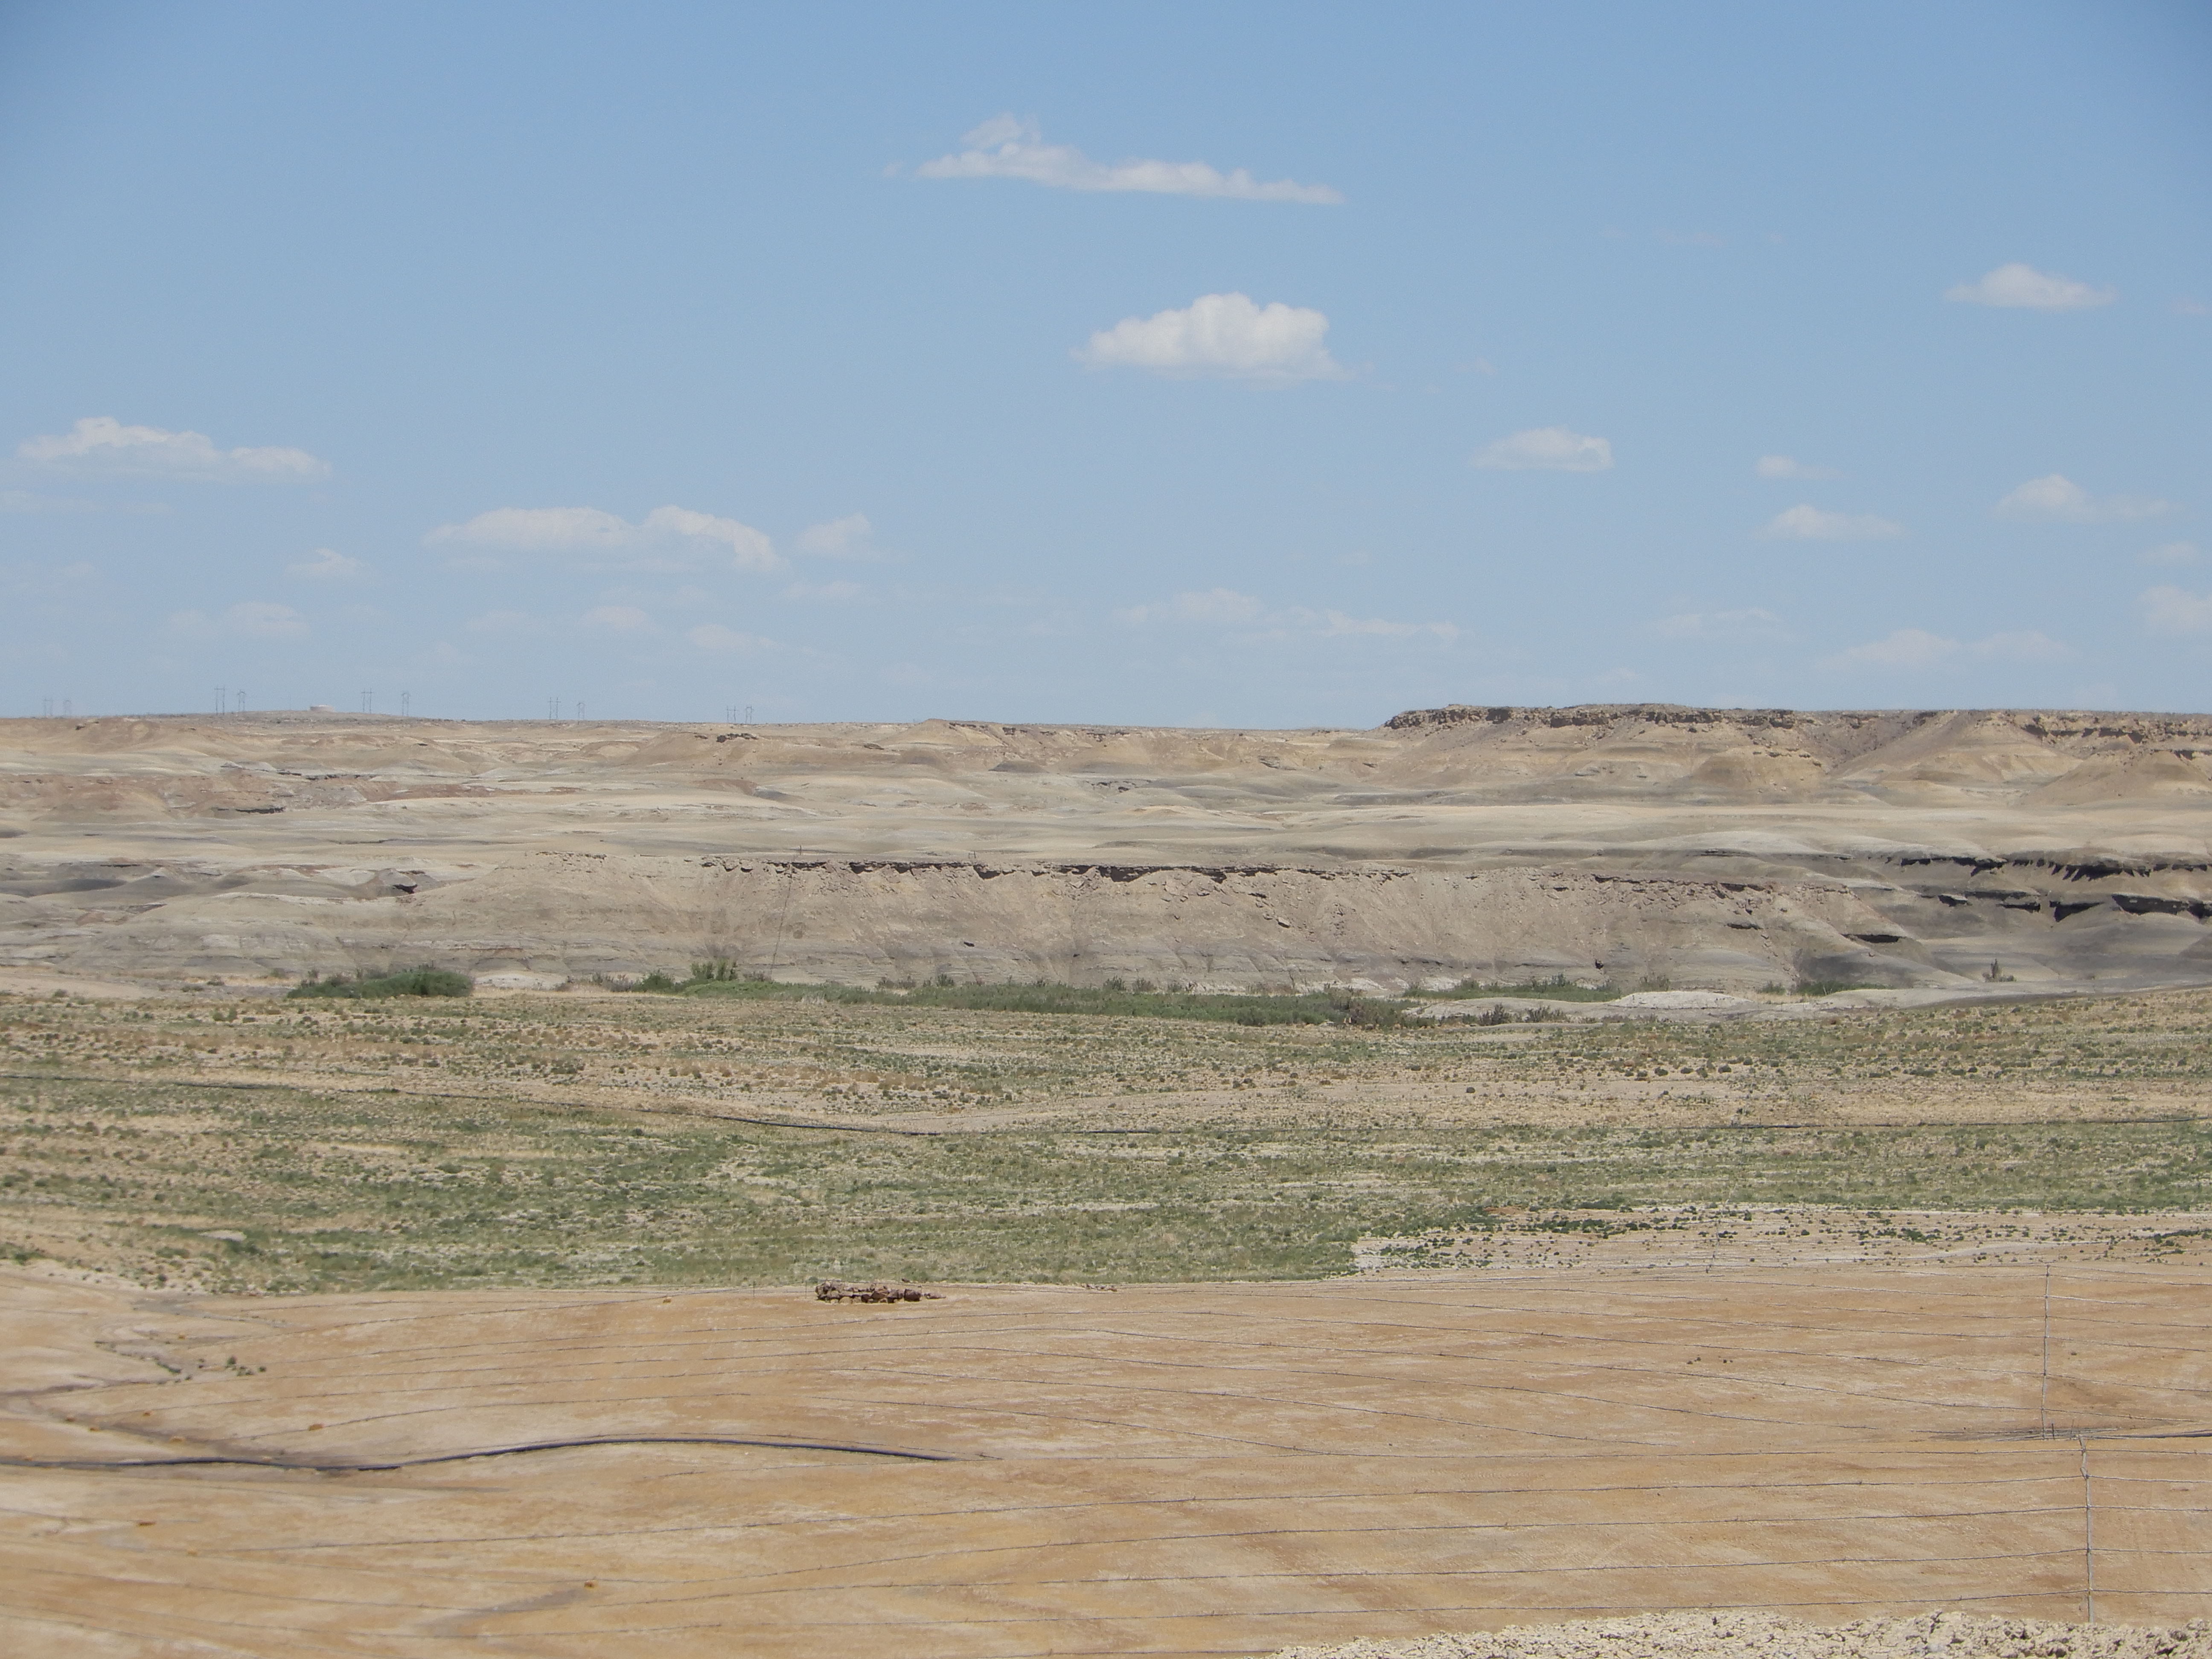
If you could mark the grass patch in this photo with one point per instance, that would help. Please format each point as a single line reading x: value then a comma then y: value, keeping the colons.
x: 391, y: 1191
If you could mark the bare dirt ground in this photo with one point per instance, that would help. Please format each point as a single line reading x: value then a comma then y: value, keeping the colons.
x: 1171, y: 1470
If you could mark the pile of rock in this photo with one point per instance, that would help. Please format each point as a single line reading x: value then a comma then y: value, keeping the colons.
x: 836, y: 1290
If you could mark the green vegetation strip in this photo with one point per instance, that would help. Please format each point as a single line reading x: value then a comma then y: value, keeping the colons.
x: 391, y: 1190
x: 1334, y: 1008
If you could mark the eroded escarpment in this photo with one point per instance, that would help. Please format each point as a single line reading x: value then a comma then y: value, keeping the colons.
x: 1729, y: 848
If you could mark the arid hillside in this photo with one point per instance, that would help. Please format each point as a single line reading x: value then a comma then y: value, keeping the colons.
x: 1628, y: 844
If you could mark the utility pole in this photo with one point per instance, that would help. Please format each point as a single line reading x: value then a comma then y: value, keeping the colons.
x: 368, y: 702
x: 579, y: 708
x: 406, y: 700
x: 222, y: 700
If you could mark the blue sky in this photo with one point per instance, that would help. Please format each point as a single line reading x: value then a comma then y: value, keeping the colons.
x: 1235, y: 364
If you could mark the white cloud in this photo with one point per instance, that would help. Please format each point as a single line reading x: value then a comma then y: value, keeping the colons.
x: 618, y: 619
x: 256, y: 619
x: 714, y: 637
x: 1251, y: 619
x: 1220, y: 334
x: 2174, y: 553
x: 2056, y: 497
x: 1722, y: 626
x: 828, y: 592
x: 1915, y: 650
x: 2186, y: 307
x: 2024, y: 286
x: 100, y: 443
x: 668, y: 539
x: 2175, y: 612
x: 849, y: 537
x: 1005, y: 147
x: 1547, y: 449
x: 1811, y: 524
x: 326, y: 564
x: 1789, y: 466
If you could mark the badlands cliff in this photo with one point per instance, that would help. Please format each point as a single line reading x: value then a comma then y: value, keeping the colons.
x: 1723, y: 847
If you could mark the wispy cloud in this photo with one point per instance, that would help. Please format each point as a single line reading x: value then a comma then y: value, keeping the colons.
x: 2020, y: 287
x: 1005, y: 147
x: 1722, y: 627
x: 2056, y: 497
x: 2174, y: 612
x: 1223, y: 335
x: 2173, y: 553
x: 712, y: 636
x: 327, y: 564
x: 256, y: 619
x: 1806, y: 523
x: 100, y: 443
x: 1547, y: 449
x: 1915, y: 650
x: 849, y: 537
x: 1247, y: 617
x: 617, y: 619
x: 1789, y: 466
x: 668, y: 539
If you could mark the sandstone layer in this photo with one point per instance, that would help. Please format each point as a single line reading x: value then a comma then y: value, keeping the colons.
x: 1729, y: 849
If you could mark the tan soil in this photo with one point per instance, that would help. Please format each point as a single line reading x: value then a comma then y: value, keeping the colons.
x: 1212, y: 1469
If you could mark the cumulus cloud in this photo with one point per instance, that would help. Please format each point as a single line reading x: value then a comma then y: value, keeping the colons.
x: 2174, y: 611
x: 1251, y: 618
x: 2056, y: 497
x: 712, y: 636
x: 667, y: 538
x: 2024, y: 288
x: 100, y: 443
x: 1805, y: 523
x: 1789, y: 466
x: 1722, y: 627
x: 1547, y: 449
x: 256, y: 619
x: 1220, y: 334
x: 849, y: 537
x: 2174, y: 553
x: 1915, y: 650
x: 327, y: 564
x: 1006, y: 148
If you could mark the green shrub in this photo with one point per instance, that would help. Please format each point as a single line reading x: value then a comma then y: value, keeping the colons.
x: 1558, y: 988
x: 423, y: 981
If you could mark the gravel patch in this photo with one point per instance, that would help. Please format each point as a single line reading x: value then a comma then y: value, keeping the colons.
x: 1683, y: 1635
